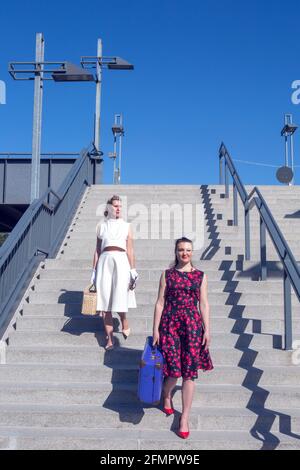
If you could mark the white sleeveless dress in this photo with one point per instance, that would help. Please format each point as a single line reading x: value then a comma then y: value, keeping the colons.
x: 113, y: 268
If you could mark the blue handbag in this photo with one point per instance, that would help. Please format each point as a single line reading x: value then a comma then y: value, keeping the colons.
x: 150, y: 374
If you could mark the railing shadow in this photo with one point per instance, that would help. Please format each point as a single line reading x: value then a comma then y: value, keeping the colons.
x: 295, y: 215
x: 265, y: 417
x: 262, y: 429
x: 123, y: 361
x: 123, y: 399
x: 214, y: 245
x: 274, y: 269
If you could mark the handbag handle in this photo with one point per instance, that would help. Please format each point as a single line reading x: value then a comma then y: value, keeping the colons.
x: 92, y: 288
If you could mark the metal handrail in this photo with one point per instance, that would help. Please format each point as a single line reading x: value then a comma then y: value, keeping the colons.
x: 40, y: 230
x: 291, y: 271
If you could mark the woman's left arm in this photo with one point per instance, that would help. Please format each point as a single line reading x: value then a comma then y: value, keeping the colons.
x: 204, y: 309
x: 130, y: 250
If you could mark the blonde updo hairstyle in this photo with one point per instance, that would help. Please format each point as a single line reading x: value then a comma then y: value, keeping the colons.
x: 110, y: 201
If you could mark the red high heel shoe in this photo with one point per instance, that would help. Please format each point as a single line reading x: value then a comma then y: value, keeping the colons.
x: 169, y: 411
x: 182, y: 434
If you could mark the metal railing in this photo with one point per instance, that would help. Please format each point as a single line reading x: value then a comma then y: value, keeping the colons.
x: 40, y: 231
x: 291, y: 272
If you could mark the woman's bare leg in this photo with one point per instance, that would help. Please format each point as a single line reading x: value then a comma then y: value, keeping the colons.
x: 169, y: 385
x: 187, y: 392
x: 124, y: 321
x: 108, y: 326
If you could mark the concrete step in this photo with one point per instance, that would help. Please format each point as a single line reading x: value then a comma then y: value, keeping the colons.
x: 270, y: 375
x: 154, y: 274
x: 219, y: 254
x: 155, y: 263
x: 121, y: 372
x: 144, y: 275
x: 232, y: 312
x: 97, y: 355
x: 144, y: 324
x: 216, y: 298
x: 215, y: 286
x: 23, y: 438
x: 105, y: 189
x: 132, y: 203
x: 223, y: 222
x: 276, y: 203
x: 65, y: 373
x: 166, y: 247
x: 245, y: 269
x: 108, y: 395
x: 262, y: 188
x: 129, y: 418
x: 85, y: 323
x: 146, y: 218
x: 271, y: 199
x: 140, y: 253
x: 63, y: 338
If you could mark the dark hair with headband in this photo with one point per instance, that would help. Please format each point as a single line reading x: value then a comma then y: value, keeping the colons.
x: 181, y: 240
x: 110, y: 201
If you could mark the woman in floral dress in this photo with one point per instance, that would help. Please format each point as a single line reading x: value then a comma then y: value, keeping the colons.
x: 181, y: 328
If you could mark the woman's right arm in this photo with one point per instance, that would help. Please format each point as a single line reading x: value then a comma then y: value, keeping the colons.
x: 97, y: 253
x: 159, y: 308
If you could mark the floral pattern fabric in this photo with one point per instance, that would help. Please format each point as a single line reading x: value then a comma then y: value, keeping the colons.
x: 181, y: 327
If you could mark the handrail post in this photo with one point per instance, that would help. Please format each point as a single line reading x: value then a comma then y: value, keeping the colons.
x: 235, y: 205
x: 88, y: 170
x: 4, y: 181
x: 247, y: 232
x: 288, y: 327
x: 51, y: 230
x: 94, y: 171
x: 29, y: 242
x: 263, y: 251
x: 226, y: 181
x: 220, y: 169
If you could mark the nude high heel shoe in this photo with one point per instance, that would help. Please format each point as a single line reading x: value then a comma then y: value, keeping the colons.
x: 126, y: 333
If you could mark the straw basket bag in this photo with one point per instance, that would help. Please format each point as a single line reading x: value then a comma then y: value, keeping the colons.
x: 89, y: 303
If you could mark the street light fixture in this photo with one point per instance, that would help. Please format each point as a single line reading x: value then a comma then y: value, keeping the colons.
x: 72, y: 73
x: 39, y: 71
x: 99, y: 62
x: 289, y: 129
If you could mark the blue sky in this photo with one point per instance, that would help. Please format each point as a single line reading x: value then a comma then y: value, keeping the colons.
x: 205, y: 72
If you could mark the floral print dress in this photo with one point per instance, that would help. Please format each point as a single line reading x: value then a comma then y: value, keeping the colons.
x: 181, y: 327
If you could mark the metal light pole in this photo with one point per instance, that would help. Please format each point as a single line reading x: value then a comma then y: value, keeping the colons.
x: 99, y: 62
x: 114, y: 156
x: 98, y: 98
x: 67, y: 73
x: 118, y: 132
x: 37, y: 117
x: 288, y: 131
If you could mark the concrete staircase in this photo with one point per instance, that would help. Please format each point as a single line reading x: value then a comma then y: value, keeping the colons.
x: 59, y: 389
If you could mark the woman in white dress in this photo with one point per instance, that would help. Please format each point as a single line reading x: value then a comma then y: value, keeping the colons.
x: 114, y: 272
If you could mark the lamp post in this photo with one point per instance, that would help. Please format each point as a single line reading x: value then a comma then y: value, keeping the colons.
x: 118, y: 132
x: 287, y: 131
x: 39, y: 71
x: 99, y: 62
